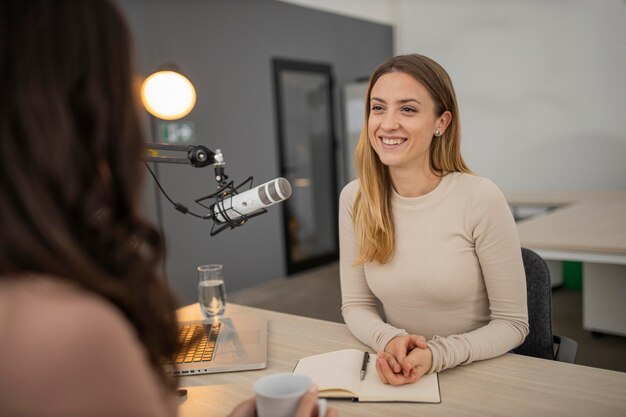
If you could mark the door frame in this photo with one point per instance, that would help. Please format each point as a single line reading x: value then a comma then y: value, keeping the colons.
x: 278, y: 65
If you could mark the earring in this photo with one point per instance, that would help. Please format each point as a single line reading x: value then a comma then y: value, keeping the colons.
x: 437, y: 133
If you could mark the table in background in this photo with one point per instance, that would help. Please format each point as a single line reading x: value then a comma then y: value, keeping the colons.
x: 588, y: 228
x: 510, y: 385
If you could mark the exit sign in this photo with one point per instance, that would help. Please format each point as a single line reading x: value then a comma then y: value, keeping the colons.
x: 176, y: 132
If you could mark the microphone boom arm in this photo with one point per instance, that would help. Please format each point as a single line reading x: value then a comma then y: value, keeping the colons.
x: 200, y: 156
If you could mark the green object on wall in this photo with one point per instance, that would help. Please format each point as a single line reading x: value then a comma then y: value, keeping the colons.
x: 572, y: 274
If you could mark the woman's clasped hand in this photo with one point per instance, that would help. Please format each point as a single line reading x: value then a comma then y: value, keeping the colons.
x: 404, y: 360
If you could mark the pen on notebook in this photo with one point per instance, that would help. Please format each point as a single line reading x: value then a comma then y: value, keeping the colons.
x: 366, y: 359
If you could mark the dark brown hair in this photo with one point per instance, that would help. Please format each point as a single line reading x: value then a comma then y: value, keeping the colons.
x: 70, y: 161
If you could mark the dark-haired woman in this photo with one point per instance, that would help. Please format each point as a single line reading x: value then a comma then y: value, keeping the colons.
x: 84, y: 317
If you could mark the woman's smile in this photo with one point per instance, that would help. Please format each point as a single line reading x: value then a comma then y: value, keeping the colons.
x: 392, y: 142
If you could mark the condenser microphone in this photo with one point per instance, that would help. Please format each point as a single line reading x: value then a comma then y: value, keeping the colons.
x: 232, y: 208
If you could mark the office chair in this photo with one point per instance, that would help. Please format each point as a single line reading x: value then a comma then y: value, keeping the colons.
x: 540, y: 342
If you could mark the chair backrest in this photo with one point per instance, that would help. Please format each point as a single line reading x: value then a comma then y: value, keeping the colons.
x: 539, y: 342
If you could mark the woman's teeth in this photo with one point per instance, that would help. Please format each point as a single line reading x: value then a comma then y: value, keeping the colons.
x: 388, y: 141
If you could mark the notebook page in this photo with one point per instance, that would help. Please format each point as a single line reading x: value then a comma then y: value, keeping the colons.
x: 334, y: 370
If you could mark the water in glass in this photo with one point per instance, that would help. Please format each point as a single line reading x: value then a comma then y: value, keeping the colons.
x: 211, y: 290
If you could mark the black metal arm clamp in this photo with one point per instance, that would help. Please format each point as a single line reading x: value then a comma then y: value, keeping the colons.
x: 198, y: 156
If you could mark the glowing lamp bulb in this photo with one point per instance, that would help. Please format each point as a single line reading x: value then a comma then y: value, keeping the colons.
x: 168, y: 95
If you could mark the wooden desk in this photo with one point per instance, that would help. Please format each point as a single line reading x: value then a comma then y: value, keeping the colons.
x: 510, y: 385
x: 588, y: 228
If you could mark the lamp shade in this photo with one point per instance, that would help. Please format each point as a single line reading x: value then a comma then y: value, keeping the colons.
x: 168, y: 95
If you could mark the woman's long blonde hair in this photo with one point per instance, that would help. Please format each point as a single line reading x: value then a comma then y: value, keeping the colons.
x: 373, y: 222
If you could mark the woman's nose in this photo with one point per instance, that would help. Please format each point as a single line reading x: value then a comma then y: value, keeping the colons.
x: 390, y: 121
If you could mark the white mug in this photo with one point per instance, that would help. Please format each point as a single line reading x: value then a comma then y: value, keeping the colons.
x: 279, y: 395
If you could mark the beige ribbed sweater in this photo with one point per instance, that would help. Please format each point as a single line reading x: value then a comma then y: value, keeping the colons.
x: 456, y: 276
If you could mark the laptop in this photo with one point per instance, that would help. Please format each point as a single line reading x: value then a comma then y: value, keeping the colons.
x: 223, y: 344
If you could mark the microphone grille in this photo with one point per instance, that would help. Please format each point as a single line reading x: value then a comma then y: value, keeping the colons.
x: 274, y: 191
x: 279, y: 190
x: 284, y: 187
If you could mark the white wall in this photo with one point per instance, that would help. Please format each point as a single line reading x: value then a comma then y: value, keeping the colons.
x: 541, y: 84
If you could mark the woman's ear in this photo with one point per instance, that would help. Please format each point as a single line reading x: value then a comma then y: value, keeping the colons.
x: 443, y: 122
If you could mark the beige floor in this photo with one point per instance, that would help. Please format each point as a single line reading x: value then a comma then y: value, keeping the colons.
x: 317, y: 294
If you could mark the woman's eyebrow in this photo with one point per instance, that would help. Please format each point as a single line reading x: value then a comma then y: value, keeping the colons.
x: 401, y: 101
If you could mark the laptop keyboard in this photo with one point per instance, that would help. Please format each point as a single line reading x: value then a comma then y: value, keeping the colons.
x: 196, y: 344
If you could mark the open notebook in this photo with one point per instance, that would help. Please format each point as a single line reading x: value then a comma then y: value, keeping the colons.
x: 337, y: 374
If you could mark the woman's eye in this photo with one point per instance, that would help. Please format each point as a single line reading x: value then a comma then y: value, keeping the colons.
x: 376, y: 107
x: 408, y: 109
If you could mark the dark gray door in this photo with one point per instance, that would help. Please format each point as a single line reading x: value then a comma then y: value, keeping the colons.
x: 303, y: 94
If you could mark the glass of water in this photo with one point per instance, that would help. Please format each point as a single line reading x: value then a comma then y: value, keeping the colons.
x: 211, y: 290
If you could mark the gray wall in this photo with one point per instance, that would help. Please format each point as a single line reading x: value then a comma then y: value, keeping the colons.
x: 225, y: 47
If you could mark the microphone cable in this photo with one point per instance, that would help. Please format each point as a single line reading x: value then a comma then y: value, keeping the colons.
x: 178, y: 206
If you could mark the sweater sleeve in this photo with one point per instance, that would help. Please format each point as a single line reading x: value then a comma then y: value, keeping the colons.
x: 358, y: 302
x: 497, y: 247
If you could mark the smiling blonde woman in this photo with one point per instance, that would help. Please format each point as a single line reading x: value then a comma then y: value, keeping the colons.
x: 437, y: 245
